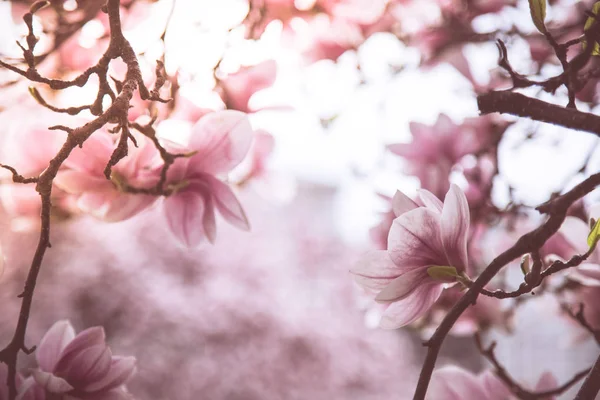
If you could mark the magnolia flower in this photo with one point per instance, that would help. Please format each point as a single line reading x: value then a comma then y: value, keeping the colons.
x: 79, y: 367
x: 83, y: 177
x: 427, y: 247
x: 454, y: 383
x: 239, y: 87
x: 435, y: 149
x: 219, y: 141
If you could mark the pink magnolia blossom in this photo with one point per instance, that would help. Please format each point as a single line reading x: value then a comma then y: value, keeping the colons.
x: 83, y: 177
x: 435, y: 149
x: 80, y: 367
x: 239, y: 87
x: 220, y: 141
x: 454, y: 383
x: 424, y: 235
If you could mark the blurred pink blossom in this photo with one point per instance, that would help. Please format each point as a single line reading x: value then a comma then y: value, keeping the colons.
x: 425, y: 235
x: 80, y: 366
x: 435, y: 149
x: 239, y: 87
x: 28, y: 146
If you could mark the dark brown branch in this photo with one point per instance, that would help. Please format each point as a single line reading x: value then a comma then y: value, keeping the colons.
x: 18, y: 178
x: 531, y: 284
x: 118, y: 47
x: 531, y: 241
x: 527, y: 107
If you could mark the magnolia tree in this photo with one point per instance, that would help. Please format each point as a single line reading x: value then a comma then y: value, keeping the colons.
x: 149, y: 111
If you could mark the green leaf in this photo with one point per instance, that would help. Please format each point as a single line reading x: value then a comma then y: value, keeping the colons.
x: 442, y: 273
x: 538, y: 14
x: 594, y: 235
x: 588, y: 24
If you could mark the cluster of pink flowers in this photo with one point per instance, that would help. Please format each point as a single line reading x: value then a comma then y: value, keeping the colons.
x: 216, y: 144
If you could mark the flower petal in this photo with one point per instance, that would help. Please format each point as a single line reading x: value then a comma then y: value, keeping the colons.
x: 184, y: 212
x: 401, y: 203
x: 53, y: 343
x: 546, y: 383
x: 430, y: 201
x: 85, y: 339
x: 227, y: 204
x: 575, y: 232
x: 375, y: 270
x: 402, y: 286
x: 87, y: 366
x: 455, y: 227
x: 414, y: 240
x: 121, y: 369
x: 51, y: 383
x: 405, y: 311
x: 222, y: 139
x: 76, y: 182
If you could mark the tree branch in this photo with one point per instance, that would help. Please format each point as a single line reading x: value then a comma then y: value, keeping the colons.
x: 530, y: 242
x: 527, y: 107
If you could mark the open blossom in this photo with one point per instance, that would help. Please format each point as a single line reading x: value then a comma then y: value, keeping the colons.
x: 79, y: 367
x: 454, y: 383
x: 220, y: 141
x: 426, y: 239
x: 435, y: 149
x: 83, y: 177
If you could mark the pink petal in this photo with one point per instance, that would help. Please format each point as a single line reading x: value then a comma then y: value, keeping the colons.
x: 87, y: 366
x: 227, y: 204
x: 19, y: 199
x: 222, y: 139
x: 401, y: 203
x: 51, y: 383
x: 90, y: 337
x: 29, y: 389
x: 127, y: 205
x: 184, y: 212
x: 575, y: 232
x: 402, y: 286
x: 53, y: 343
x: 94, y: 154
x: 430, y: 201
x: 455, y: 227
x: 587, y: 274
x: 414, y: 239
x: 405, y: 311
x: 546, y: 383
x: 375, y: 270
x: 121, y: 369
x: 494, y: 387
x: 77, y: 182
